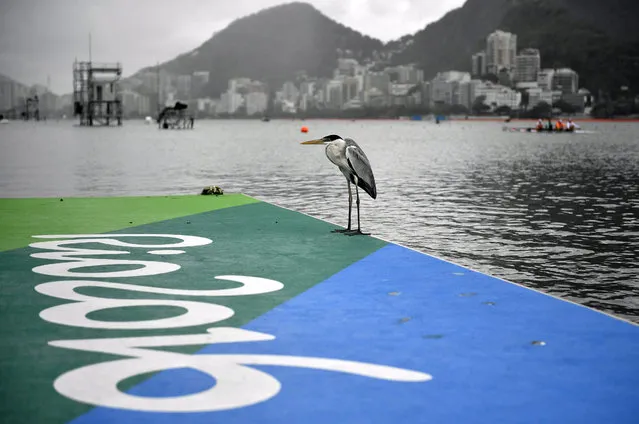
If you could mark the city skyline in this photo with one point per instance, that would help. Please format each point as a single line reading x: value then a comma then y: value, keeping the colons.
x: 516, y: 83
x: 40, y: 39
x: 357, y: 85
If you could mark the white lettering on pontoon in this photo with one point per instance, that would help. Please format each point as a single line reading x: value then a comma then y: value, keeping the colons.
x: 236, y: 383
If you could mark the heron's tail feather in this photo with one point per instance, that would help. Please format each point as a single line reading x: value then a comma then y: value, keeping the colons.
x: 370, y: 189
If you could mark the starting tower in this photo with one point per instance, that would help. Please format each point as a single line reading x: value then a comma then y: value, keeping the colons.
x: 97, y: 100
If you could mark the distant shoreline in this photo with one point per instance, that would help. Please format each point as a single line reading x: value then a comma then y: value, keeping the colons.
x: 456, y: 119
x: 574, y: 118
x: 491, y: 119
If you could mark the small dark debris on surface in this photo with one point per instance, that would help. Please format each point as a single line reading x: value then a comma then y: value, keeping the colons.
x: 468, y: 294
x: 488, y: 303
x: 394, y: 293
x: 188, y: 222
x: 212, y: 190
x: 62, y: 200
x: 130, y: 222
x: 403, y: 320
x: 432, y: 336
x: 276, y: 222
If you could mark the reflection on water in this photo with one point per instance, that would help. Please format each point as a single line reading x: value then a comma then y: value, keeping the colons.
x: 555, y: 212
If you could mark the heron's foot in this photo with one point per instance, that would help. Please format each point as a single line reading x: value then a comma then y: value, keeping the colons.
x: 357, y: 233
x: 341, y: 230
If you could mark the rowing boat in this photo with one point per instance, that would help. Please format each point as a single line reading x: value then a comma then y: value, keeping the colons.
x: 554, y: 131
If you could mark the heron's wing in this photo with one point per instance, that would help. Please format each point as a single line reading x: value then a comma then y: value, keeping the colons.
x: 360, y: 165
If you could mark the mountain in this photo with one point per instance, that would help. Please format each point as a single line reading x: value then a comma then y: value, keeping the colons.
x: 615, y: 18
x: 581, y: 36
x: 589, y: 36
x: 272, y: 46
x: 447, y: 44
x: 38, y: 89
x: 600, y: 40
x: 6, y: 79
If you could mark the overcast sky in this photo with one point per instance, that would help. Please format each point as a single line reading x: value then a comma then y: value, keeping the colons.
x: 40, y: 38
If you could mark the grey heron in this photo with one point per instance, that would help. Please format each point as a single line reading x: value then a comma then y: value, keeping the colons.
x: 353, y: 163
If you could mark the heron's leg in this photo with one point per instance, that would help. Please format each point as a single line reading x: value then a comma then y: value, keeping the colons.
x: 350, y: 205
x: 358, y: 231
x: 357, y: 194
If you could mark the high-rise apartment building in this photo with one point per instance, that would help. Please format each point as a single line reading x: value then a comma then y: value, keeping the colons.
x: 479, y: 64
x: 527, y: 65
x: 565, y: 80
x: 501, y: 50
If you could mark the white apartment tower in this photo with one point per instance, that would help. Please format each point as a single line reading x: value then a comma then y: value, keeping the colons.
x: 565, y: 80
x: 527, y: 65
x: 501, y: 51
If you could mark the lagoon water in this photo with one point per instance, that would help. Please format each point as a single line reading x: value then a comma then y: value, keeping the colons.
x: 559, y: 213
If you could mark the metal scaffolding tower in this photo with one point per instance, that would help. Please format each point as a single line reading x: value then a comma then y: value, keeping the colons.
x: 31, y: 109
x: 96, y: 93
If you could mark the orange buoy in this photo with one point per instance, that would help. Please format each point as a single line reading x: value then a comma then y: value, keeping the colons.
x: 304, y: 129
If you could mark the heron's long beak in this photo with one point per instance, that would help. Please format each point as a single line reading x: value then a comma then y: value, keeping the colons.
x: 318, y: 141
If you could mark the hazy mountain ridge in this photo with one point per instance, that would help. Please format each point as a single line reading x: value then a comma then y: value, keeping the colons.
x: 615, y: 18
x: 448, y: 43
x: 566, y: 41
x: 4, y: 78
x: 272, y: 45
x: 568, y: 32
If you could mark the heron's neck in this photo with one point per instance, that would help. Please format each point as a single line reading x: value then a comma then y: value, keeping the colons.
x: 335, y: 152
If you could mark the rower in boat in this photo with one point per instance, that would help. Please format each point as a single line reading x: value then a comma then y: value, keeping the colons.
x: 559, y: 127
x: 549, y: 125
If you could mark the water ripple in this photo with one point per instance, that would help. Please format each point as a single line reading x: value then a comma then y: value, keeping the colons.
x: 556, y: 213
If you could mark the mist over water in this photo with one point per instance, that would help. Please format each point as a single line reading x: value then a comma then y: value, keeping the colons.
x: 559, y: 213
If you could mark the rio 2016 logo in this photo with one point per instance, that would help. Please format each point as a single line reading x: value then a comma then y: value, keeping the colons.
x: 237, y: 383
